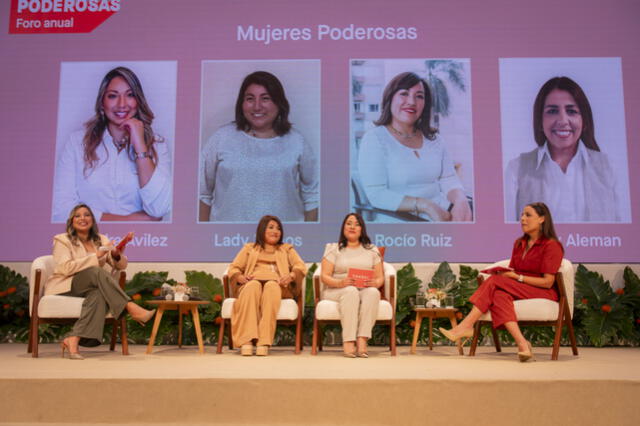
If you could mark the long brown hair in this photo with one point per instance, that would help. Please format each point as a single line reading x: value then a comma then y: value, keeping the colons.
x: 262, y: 228
x: 94, y: 234
x: 565, y: 84
x: 405, y: 81
x: 270, y: 82
x: 97, y: 124
x: 547, y: 230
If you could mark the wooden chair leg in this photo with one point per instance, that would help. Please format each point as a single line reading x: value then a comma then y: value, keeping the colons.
x: 320, y: 336
x: 220, y: 337
x: 314, y: 338
x: 124, y: 338
x: 30, y: 338
x: 35, y: 339
x: 298, y: 335
x: 474, y: 340
x: 229, y: 334
x: 114, y: 335
x: 558, y: 335
x: 392, y: 337
x: 572, y: 336
x: 496, y: 339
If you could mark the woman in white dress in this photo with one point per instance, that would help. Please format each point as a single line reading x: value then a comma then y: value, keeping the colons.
x: 402, y: 165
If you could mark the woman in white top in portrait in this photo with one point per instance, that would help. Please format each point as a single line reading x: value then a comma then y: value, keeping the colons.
x: 358, y: 301
x: 117, y: 165
x: 403, y: 166
x: 259, y: 164
x: 567, y: 171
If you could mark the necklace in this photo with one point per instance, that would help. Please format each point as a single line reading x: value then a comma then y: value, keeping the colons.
x: 403, y: 135
x: 268, y: 136
x: 120, y: 144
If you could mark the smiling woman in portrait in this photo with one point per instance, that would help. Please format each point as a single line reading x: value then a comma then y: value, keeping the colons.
x: 567, y: 170
x: 116, y: 165
x: 402, y: 164
x: 259, y: 164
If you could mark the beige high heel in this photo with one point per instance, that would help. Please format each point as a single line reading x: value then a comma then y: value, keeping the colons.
x: 526, y: 355
x: 262, y: 350
x: 466, y: 335
x: 72, y: 355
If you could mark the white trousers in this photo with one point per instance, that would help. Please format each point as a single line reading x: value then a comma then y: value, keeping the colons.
x: 358, y: 310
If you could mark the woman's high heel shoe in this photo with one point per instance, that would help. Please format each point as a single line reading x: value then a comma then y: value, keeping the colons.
x: 72, y: 355
x: 466, y: 335
x: 145, y: 318
x: 526, y: 355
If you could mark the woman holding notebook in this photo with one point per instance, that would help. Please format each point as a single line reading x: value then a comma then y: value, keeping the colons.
x: 352, y: 274
x: 535, y: 260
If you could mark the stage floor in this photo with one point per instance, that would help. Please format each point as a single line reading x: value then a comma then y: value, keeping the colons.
x: 600, y: 386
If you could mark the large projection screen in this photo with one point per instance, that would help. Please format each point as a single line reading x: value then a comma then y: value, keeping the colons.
x: 485, y: 63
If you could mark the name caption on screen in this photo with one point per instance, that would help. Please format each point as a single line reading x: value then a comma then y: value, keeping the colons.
x: 239, y: 240
x: 579, y: 240
x: 324, y: 32
x: 406, y: 240
x: 144, y: 240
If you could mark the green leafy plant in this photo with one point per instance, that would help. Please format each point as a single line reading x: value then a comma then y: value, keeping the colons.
x: 407, y: 287
x: 14, y: 305
x: 607, y: 316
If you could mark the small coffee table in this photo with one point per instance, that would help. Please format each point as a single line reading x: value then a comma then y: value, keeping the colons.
x: 183, y: 308
x: 432, y: 313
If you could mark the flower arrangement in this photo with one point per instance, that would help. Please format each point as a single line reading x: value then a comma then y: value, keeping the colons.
x: 434, y: 297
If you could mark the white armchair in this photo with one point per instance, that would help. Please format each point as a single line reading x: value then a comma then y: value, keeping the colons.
x: 540, y: 312
x: 57, y: 309
x: 327, y: 311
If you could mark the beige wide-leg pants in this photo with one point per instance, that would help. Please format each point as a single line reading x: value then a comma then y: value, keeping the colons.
x: 358, y: 310
x: 101, y: 293
x: 255, y: 312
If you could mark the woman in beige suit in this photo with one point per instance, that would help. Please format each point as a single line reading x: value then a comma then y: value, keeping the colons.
x: 263, y: 273
x: 83, y: 258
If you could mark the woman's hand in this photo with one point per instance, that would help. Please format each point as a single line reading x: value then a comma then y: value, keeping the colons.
x: 461, y: 212
x: 286, y: 280
x: 346, y: 282
x: 243, y: 279
x: 135, y: 130
x: 115, y: 253
x: 435, y: 212
x: 510, y: 274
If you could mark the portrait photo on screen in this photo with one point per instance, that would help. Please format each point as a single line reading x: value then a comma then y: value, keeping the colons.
x: 259, y: 141
x: 411, y: 140
x: 114, y: 142
x: 563, y: 138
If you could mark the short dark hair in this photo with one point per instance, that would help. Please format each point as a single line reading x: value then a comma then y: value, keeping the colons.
x: 587, y: 133
x: 364, y: 238
x: 270, y: 82
x: 405, y: 81
x: 262, y: 228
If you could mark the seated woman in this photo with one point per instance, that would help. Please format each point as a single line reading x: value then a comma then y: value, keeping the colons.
x: 117, y: 165
x: 259, y: 156
x: 535, y: 260
x: 83, y: 257
x: 263, y: 273
x: 358, y: 302
x: 401, y: 163
x: 567, y: 170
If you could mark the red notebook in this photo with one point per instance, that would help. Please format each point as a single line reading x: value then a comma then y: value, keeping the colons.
x: 496, y: 270
x: 124, y: 241
x: 360, y: 276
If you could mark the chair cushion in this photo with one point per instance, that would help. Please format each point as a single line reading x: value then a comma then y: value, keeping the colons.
x: 328, y: 310
x: 56, y: 306
x: 288, y: 309
x: 532, y: 310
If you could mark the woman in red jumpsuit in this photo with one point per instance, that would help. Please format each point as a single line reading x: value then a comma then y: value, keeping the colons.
x: 535, y: 259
